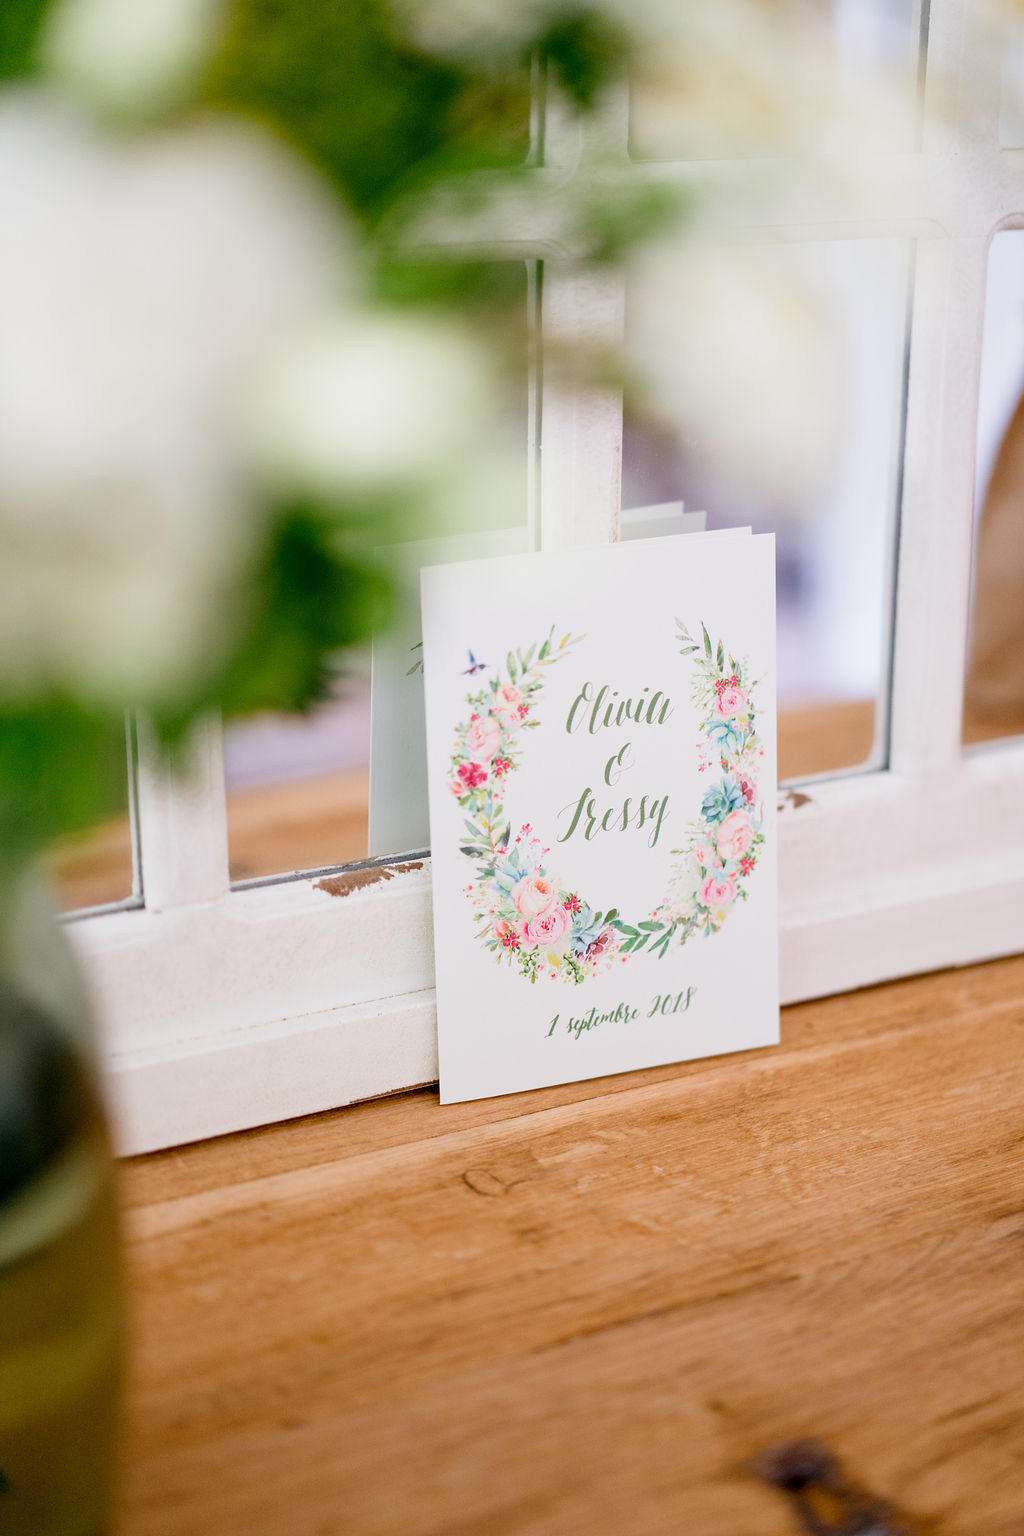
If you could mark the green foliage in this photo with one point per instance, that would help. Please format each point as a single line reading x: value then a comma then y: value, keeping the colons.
x: 584, y: 50
x: 491, y: 292
x: 309, y: 598
x: 372, y: 113
x: 613, y: 220
x: 20, y: 21
x: 63, y: 767
x: 634, y: 939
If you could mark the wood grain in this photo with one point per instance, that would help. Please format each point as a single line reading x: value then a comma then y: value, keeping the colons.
x: 587, y: 1309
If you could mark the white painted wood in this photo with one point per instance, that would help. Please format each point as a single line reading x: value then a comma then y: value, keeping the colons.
x: 182, y: 820
x: 878, y: 880
x: 581, y: 427
x: 234, y: 1080
x: 224, y: 1009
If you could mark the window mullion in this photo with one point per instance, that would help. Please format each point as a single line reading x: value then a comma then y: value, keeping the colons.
x: 581, y: 424
x: 935, y: 537
x: 182, y: 819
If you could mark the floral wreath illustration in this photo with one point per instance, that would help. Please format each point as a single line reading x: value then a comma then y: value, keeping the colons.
x: 526, y: 916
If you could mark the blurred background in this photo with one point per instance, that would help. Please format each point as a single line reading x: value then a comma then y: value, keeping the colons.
x: 764, y: 384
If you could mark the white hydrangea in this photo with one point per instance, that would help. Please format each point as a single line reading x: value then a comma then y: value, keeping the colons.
x: 367, y: 402
x: 141, y: 283
x: 129, y: 57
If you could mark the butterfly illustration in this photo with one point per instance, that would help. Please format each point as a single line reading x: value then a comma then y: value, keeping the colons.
x: 474, y: 666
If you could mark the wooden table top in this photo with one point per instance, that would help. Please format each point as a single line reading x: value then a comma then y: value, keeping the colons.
x: 589, y: 1310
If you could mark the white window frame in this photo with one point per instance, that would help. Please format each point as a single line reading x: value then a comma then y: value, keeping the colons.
x: 226, y: 1008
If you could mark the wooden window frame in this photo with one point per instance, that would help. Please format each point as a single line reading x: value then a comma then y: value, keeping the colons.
x: 225, y: 1008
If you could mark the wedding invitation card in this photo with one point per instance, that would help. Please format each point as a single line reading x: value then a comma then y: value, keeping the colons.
x: 602, y: 781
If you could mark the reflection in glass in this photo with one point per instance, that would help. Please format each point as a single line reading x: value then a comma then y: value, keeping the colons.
x: 994, y: 691
x: 743, y: 428
x: 1011, y: 95
x: 97, y: 867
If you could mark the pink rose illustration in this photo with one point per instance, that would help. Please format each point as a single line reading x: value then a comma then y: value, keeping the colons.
x: 718, y: 892
x: 483, y: 738
x: 729, y: 702
x: 548, y: 928
x: 735, y: 835
x: 533, y: 896
x: 704, y: 853
x: 507, y: 700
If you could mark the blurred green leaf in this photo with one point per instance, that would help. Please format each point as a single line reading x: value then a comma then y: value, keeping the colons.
x: 310, y: 598
x: 63, y: 767
x: 491, y: 290
x: 369, y: 110
x: 617, y: 217
x: 20, y: 22
x: 585, y: 50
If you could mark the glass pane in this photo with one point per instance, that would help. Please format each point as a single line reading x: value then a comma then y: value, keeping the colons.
x: 994, y: 691
x: 738, y: 80
x: 779, y: 405
x: 348, y: 781
x: 1011, y: 96
x: 96, y: 867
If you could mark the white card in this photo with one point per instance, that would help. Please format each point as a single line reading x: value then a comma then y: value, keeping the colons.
x: 398, y: 753
x: 602, y: 808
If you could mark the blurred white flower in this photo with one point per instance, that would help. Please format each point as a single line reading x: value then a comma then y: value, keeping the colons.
x: 367, y: 402
x: 474, y: 29
x: 738, y: 356
x: 717, y: 78
x: 765, y: 77
x: 140, y: 285
x: 485, y: 489
x: 132, y: 57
